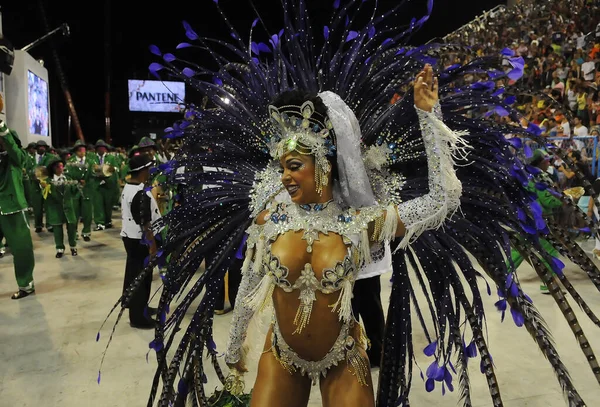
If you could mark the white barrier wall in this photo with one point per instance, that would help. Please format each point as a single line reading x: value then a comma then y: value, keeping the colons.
x: 2, y: 82
x: 28, y: 99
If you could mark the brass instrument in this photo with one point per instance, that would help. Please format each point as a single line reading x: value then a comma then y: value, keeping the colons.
x: 77, y: 164
x: 161, y: 197
x: 104, y: 170
x: 41, y: 173
x: 575, y: 193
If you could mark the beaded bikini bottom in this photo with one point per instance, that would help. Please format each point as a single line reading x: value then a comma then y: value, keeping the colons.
x: 345, y: 348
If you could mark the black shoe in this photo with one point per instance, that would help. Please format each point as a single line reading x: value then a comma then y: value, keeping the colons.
x: 50, y: 230
x: 144, y: 324
x: 109, y: 226
x: 99, y: 228
x: 2, y: 251
x: 223, y: 311
x: 21, y: 294
x: 86, y: 239
x: 59, y: 255
x: 150, y: 311
x: 73, y: 252
x: 38, y: 230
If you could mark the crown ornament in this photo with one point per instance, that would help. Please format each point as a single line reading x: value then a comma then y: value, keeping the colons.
x: 304, y: 130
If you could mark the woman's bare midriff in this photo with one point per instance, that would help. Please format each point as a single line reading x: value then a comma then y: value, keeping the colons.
x: 317, y: 338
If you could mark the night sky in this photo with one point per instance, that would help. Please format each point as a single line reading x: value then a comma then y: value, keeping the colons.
x: 133, y: 26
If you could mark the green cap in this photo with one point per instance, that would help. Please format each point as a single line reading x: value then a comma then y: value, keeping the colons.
x: 539, y: 155
x: 146, y: 142
x: 78, y: 144
x: 133, y: 150
x: 102, y: 143
x: 50, y: 166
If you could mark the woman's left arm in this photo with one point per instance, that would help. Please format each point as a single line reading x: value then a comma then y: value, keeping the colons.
x: 411, y: 218
x: 431, y: 210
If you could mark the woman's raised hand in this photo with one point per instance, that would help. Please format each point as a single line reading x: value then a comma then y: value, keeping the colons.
x: 426, y: 89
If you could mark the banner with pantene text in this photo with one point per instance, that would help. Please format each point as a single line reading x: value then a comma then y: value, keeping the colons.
x: 156, y: 96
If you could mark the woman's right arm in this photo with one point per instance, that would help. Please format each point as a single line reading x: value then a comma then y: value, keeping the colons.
x: 243, y: 313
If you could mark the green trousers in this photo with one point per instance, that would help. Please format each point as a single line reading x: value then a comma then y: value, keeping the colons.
x: 518, y: 259
x: 59, y: 235
x: 103, y: 204
x: 37, y: 203
x: 84, y: 211
x: 27, y: 189
x: 18, y: 237
x: 117, y: 195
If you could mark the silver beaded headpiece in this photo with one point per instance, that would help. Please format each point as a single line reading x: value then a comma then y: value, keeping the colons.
x: 305, y: 131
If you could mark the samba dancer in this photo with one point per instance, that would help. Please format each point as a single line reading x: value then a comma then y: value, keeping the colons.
x: 390, y: 160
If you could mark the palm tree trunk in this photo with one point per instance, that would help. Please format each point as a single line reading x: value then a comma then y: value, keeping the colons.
x: 107, y: 68
x: 61, y: 75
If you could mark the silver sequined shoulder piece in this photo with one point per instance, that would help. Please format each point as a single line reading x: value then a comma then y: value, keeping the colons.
x: 285, y: 217
x: 266, y: 185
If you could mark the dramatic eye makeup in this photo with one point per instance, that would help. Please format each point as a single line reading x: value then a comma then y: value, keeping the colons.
x: 292, y: 163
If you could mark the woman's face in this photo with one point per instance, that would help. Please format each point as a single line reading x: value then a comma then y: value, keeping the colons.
x: 298, y: 177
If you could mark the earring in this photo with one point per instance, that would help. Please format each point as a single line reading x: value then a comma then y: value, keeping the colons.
x: 322, y: 170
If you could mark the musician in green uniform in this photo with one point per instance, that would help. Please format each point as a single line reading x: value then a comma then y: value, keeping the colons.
x: 105, y: 184
x: 79, y: 167
x: 59, y: 191
x: 42, y: 159
x: 13, y: 219
x: 28, y: 173
x: 116, y: 193
x: 65, y: 154
x: 91, y: 150
x: 147, y: 146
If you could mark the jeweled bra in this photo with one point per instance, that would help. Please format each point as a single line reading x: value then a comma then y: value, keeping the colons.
x: 312, y: 220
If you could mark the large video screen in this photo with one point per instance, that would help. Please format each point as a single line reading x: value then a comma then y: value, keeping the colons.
x: 156, y: 96
x: 38, y: 115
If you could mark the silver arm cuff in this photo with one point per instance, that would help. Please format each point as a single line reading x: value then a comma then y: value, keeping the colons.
x: 443, y: 199
x: 242, y: 314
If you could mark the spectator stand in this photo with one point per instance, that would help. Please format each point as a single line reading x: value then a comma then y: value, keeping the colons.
x: 478, y: 23
x: 590, y: 143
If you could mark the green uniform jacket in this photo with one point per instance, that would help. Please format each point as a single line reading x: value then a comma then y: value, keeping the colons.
x: 125, y: 171
x: 123, y: 167
x: 81, y: 173
x: 29, y: 167
x: 548, y: 201
x: 59, y: 202
x: 113, y: 180
x: 12, y: 192
x: 46, y: 160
